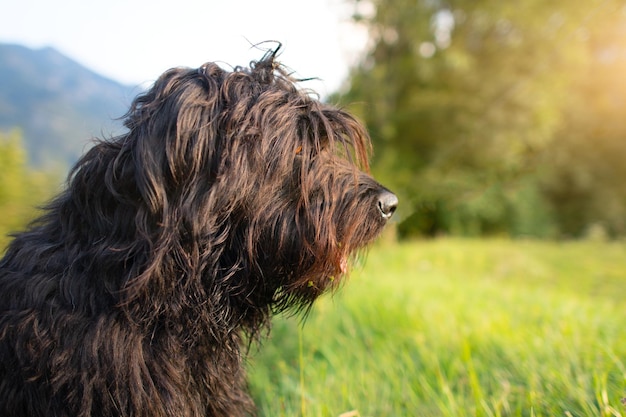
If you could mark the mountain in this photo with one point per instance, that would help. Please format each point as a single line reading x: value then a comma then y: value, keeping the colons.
x: 58, y: 104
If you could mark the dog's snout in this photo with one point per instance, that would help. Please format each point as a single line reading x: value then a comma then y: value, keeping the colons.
x: 387, y: 203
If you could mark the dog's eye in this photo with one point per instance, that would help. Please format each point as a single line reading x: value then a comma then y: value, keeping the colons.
x: 299, y: 150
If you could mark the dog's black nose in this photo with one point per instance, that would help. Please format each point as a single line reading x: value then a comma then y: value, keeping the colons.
x: 387, y: 203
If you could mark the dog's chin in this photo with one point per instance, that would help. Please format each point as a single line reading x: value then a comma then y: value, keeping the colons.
x: 321, y: 282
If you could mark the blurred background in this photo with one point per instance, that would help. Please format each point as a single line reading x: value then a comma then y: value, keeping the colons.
x: 497, y: 117
x: 489, y: 117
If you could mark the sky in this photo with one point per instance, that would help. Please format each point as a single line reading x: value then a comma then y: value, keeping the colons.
x: 134, y: 41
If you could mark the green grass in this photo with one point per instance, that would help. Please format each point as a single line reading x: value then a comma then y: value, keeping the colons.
x: 457, y: 327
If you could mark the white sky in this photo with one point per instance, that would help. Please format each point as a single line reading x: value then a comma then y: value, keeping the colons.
x: 134, y: 41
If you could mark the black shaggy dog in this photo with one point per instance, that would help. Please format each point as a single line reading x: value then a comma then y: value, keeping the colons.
x: 233, y: 195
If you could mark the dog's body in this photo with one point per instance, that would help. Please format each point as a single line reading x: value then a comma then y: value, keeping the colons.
x: 232, y: 196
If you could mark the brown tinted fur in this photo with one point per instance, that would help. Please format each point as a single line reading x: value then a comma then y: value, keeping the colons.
x: 233, y: 195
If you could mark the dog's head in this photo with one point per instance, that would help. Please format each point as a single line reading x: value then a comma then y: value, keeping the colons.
x: 243, y: 182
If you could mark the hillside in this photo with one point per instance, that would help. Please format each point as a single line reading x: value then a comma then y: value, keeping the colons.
x: 58, y: 104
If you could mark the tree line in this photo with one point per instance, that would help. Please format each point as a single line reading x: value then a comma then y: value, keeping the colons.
x: 492, y: 117
x: 22, y: 189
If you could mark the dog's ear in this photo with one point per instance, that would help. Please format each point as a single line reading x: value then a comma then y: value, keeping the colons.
x: 171, y: 149
x: 172, y: 133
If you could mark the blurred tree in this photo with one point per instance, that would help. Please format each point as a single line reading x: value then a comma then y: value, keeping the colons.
x: 21, y: 189
x: 461, y: 96
x: 584, y: 175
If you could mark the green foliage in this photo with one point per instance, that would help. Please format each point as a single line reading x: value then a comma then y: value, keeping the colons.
x: 585, y: 175
x: 458, y: 328
x: 467, y: 99
x: 21, y: 189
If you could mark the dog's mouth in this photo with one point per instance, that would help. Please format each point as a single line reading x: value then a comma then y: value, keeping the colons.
x: 343, y: 264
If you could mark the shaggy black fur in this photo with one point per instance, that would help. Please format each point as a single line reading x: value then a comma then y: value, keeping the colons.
x: 234, y: 195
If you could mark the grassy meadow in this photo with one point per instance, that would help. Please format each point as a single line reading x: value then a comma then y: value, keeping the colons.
x: 455, y: 327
